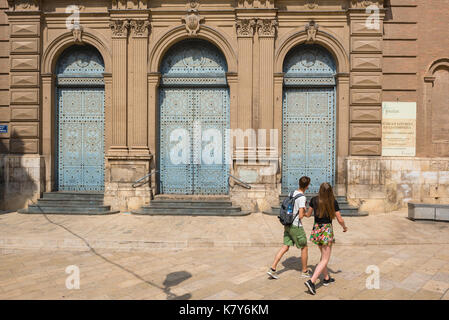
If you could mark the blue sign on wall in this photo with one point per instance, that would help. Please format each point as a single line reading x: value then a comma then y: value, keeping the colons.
x: 3, y: 128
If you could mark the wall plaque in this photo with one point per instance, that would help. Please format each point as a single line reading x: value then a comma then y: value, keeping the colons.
x: 3, y: 128
x: 399, y: 129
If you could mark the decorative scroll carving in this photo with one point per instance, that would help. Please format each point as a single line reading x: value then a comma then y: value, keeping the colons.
x: 245, y: 27
x: 266, y: 27
x: 311, y: 29
x: 193, y: 5
x: 312, y: 4
x: 192, y: 21
x: 23, y: 5
x: 366, y: 3
x: 139, y: 27
x: 119, y: 27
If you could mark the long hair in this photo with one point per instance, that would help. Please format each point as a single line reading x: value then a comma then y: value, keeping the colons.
x: 326, y: 201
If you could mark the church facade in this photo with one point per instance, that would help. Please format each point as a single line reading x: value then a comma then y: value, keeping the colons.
x: 204, y: 97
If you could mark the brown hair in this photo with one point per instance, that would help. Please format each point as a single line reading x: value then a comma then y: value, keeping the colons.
x: 304, y: 182
x: 326, y: 201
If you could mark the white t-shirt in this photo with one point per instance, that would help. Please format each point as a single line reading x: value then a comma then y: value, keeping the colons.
x: 299, y: 203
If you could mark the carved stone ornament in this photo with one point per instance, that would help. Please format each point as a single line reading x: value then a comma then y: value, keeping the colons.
x: 119, y: 27
x: 23, y: 5
x: 311, y: 29
x: 245, y: 27
x: 139, y: 27
x: 366, y: 3
x: 266, y: 27
x: 129, y: 4
x: 192, y: 5
x: 256, y: 3
x: 77, y: 33
x: 192, y: 22
x: 311, y: 4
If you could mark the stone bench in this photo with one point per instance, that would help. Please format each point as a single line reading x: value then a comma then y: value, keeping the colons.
x: 428, y: 211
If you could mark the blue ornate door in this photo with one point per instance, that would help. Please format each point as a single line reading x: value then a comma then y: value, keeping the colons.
x: 308, y: 118
x: 194, y: 118
x: 80, y: 120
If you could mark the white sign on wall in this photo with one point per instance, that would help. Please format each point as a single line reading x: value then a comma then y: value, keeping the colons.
x: 399, y: 129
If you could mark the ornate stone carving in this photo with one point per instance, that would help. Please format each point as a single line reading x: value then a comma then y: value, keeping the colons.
x: 245, y: 27
x: 255, y: 3
x: 139, y: 27
x: 23, y: 5
x: 77, y: 33
x: 312, y: 4
x: 266, y: 27
x: 311, y: 29
x: 119, y: 28
x: 192, y: 21
x: 192, y: 5
x: 129, y: 4
x: 366, y: 3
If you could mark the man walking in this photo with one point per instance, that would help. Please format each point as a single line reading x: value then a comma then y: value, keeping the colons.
x: 294, y: 234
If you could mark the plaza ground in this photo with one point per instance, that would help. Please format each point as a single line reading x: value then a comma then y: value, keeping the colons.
x: 124, y: 256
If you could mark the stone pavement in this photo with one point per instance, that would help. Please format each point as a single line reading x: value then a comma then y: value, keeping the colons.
x: 164, y: 257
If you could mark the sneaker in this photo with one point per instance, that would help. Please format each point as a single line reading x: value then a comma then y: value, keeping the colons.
x: 273, y: 273
x: 328, y: 281
x: 307, y: 274
x: 310, y: 286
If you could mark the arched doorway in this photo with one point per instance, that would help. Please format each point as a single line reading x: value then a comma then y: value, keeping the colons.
x: 308, y: 117
x: 194, y: 115
x: 80, y: 120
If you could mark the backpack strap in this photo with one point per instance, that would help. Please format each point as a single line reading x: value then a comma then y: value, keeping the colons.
x: 296, y: 198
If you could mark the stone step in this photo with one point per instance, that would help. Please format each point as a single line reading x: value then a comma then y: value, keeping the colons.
x: 73, y: 203
x: 34, y: 209
x: 188, y: 203
x: 73, y: 195
x: 192, y: 197
x: 204, y: 211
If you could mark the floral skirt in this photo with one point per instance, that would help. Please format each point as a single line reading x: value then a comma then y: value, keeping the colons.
x: 322, y: 234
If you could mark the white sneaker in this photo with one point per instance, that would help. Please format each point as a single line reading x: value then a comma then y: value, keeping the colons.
x: 273, y: 274
x: 307, y: 274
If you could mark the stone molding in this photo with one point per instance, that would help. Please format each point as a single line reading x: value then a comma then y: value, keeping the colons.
x: 126, y: 4
x: 245, y: 28
x: 267, y: 27
x: 23, y: 5
x: 258, y: 4
x: 362, y: 4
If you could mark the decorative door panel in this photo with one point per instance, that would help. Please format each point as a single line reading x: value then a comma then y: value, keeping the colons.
x: 80, y: 126
x: 194, y: 118
x: 308, y: 137
x: 309, y: 117
x: 193, y: 142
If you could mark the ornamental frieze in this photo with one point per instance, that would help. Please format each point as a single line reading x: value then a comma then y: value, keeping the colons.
x: 256, y: 4
x: 245, y: 27
x: 23, y: 5
x: 366, y: 3
x: 129, y: 4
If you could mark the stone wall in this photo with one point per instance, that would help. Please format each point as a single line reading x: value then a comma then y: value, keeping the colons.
x: 21, y: 180
x: 384, y: 184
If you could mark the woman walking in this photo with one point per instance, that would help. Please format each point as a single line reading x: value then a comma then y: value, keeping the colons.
x: 325, y: 209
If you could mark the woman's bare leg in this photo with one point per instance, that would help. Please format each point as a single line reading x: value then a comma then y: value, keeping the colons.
x: 322, y: 265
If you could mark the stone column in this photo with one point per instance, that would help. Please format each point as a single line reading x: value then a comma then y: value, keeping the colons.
x: 426, y: 147
x: 342, y: 149
x: 245, y: 33
x: 277, y: 115
x: 48, y: 128
x: 153, y: 118
x: 119, y: 87
x: 138, y: 110
x: 266, y: 29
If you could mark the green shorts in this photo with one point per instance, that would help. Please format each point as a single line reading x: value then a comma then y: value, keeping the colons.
x: 295, y: 235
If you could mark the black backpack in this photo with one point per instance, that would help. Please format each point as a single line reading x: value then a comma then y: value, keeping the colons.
x: 286, y: 212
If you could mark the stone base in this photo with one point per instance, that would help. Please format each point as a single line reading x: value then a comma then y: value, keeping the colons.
x: 426, y: 211
x: 384, y: 184
x: 121, y: 173
x: 22, y: 180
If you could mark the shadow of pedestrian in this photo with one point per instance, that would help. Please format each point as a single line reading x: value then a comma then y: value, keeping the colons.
x: 173, y: 279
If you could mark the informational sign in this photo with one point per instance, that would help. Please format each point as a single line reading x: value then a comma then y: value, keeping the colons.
x: 3, y: 128
x: 399, y: 129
